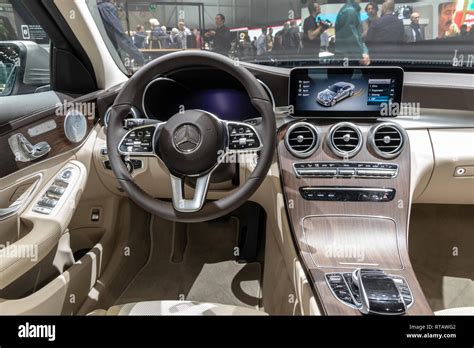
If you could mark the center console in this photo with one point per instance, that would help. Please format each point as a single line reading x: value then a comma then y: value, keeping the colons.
x: 347, y: 191
x: 349, y: 214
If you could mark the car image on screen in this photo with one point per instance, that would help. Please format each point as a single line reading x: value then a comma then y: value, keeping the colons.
x: 335, y: 93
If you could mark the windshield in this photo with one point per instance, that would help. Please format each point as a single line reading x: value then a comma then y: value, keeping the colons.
x: 417, y: 35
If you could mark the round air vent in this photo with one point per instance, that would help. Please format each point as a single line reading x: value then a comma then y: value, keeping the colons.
x: 345, y: 139
x: 302, y: 139
x: 387, y: 140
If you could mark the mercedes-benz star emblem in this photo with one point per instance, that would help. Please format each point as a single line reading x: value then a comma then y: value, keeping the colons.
x: 187, y: 138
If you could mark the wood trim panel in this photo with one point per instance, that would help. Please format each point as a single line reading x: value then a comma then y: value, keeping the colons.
x: 314, y: 235
x: 55, y: 138
x: 352, y: 242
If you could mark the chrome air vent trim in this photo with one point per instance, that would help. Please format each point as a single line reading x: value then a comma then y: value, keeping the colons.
x: 345, y: 139
x: 387, y: 140
x: 302, y: 139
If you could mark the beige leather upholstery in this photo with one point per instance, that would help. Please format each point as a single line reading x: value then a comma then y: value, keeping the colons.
x: 456, y: 311
x: 172, y: 308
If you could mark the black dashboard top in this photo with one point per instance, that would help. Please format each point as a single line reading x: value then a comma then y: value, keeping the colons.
x: 198, y: 88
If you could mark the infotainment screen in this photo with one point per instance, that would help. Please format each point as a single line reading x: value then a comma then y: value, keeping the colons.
x: 345, y: 92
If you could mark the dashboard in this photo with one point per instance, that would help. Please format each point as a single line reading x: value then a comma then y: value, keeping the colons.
x: 330, y: 92
x: 441, y: 111
x: 219, y: 94
x: 347, y: 181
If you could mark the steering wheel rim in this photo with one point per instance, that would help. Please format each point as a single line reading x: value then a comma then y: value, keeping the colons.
x: 131, y: 94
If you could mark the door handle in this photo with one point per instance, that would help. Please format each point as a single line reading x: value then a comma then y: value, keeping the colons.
x: 12, y: 209
x: 21, y: 201
x: 24, y: 151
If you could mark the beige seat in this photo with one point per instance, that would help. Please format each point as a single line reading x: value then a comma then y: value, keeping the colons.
x: 172, y: 308
x: 456, y: 311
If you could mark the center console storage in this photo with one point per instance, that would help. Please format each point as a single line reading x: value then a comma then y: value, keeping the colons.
x: 352, y: 241
x: 347, y: 189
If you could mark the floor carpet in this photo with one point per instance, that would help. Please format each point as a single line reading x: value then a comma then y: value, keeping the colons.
x: 442, y: 253
x: 196, y: 262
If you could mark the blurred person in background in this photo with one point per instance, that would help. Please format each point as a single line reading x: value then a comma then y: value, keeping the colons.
x: 372, y: 10
x: 293, y: 38
x: 174, y: 36
x: 123, y: 43
x: 470, y: 33
x: 198, y: 38
x: 278, y: 41
x: 270, y: 40
x: 446, y: 25
x: 414, y: 32
x: 324, y: 42
x: 388, y: 29
x: 165, y: 39
x: 140, y: 37
x: 312, y: 31
x: 245, y: 47
x: 262, y: 43
x: 183, y: 35
x: 349, y: 43
x: 221, y: 36
x: 254, y: 45
x: 156, y: 34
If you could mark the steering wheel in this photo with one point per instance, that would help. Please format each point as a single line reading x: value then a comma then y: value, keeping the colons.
x: 191, y: 144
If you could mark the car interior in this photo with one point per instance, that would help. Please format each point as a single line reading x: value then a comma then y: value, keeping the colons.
x: 156, y: 180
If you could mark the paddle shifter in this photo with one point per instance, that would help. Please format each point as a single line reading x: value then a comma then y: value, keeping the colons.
x: 372, y: 291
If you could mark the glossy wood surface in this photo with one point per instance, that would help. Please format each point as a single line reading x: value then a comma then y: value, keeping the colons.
x: 377, y: 230
x: 56, y: 138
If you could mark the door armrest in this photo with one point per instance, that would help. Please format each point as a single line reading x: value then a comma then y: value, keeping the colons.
x: 46, y: 229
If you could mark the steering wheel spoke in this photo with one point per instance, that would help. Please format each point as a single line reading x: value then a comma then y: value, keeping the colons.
x: 140, y: 139
x: 183, y: 205
x: 242, y: 138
